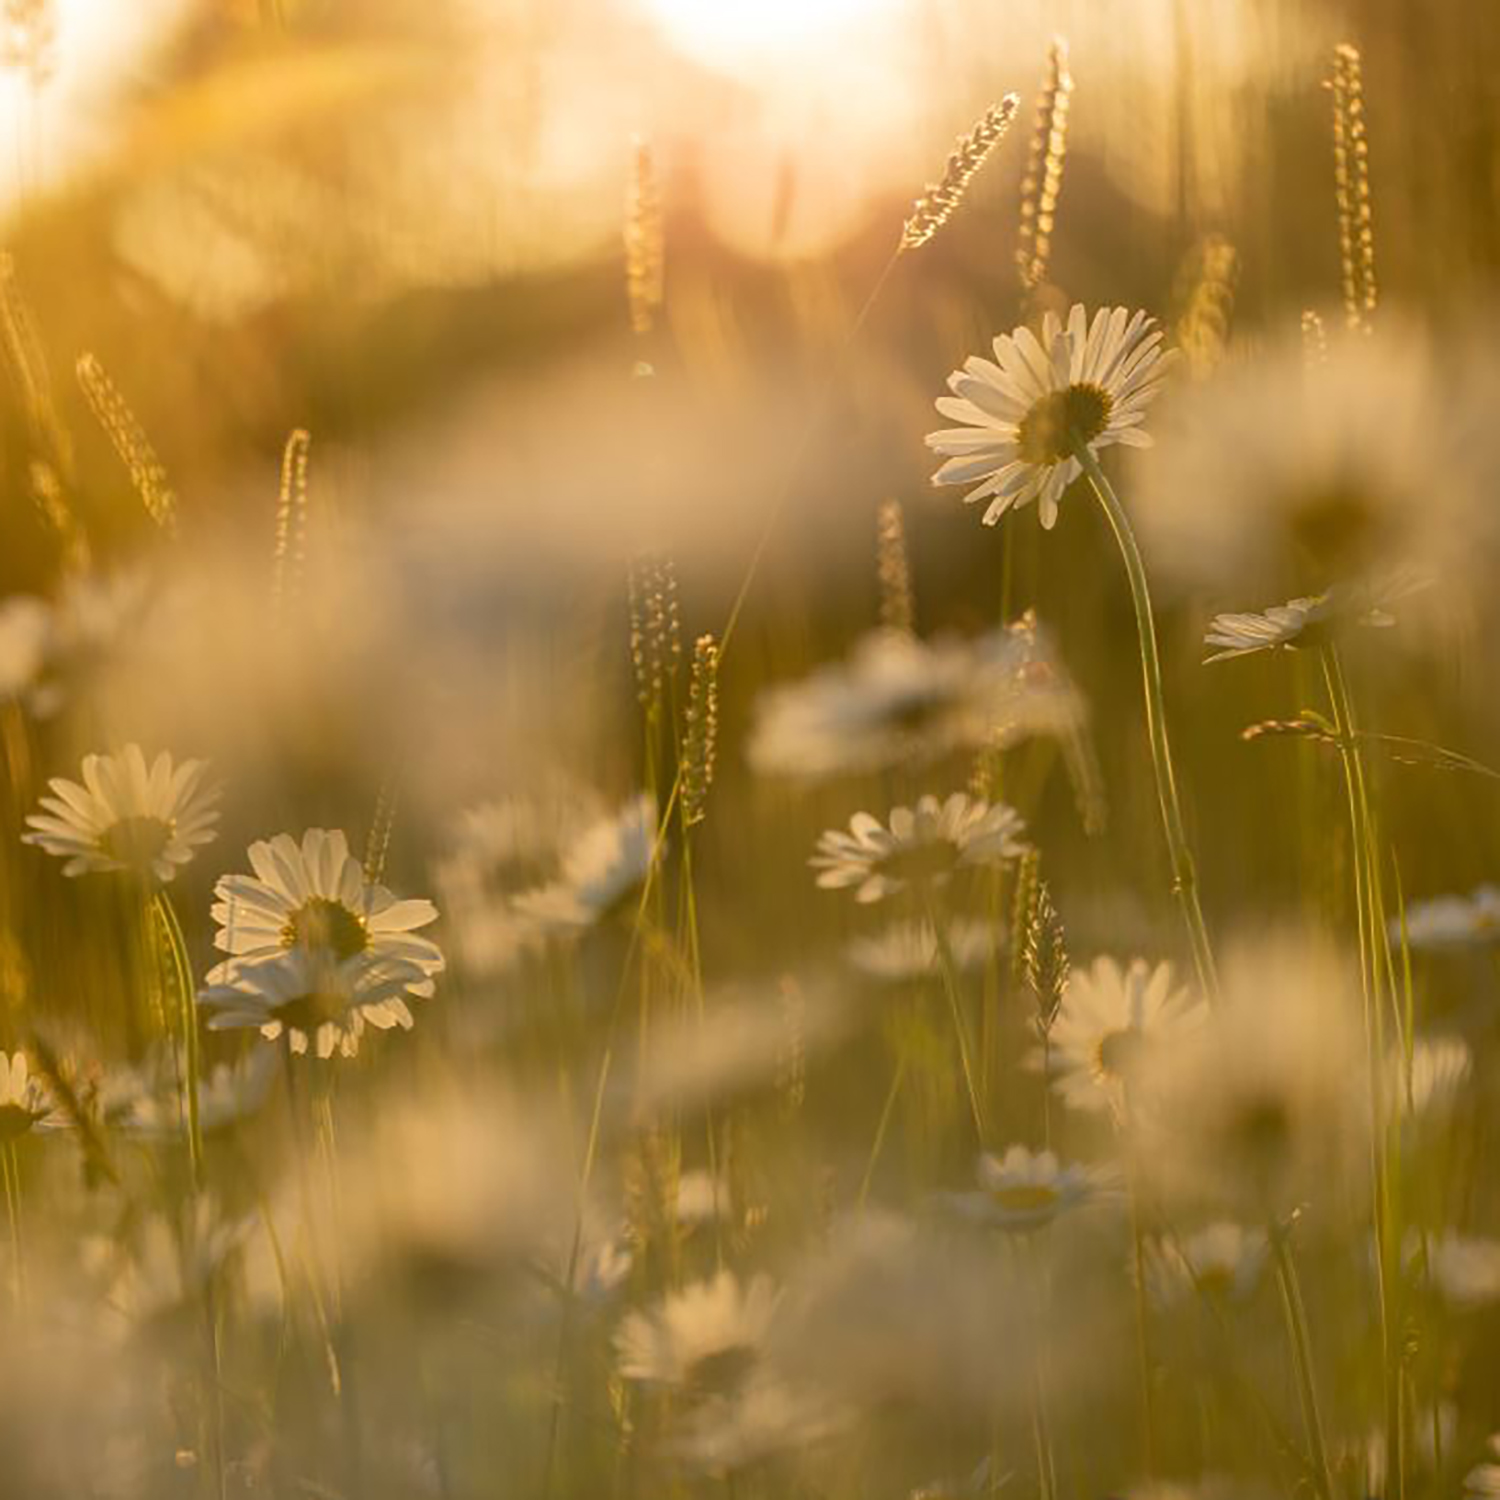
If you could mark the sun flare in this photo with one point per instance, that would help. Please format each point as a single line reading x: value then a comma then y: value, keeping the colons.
x: 725, y: 35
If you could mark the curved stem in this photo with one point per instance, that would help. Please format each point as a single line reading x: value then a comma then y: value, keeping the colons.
x: 1373, y: 958
x: 886, y: 1111
x: 188, y: 1016
x: 949, y: 972
x: 1184, y: 872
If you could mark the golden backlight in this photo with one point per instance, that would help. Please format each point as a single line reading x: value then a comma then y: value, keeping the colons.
x: 728, y: 34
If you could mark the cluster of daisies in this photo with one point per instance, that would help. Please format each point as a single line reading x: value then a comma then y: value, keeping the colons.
x: 316, y: 950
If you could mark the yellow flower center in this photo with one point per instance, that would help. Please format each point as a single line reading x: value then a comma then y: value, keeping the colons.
x: 1215, y: 1281
x: 306, y: 1013
x: 1025, y: 1197
x: 136, y: 842
x: 16, y: 1120
x: 321, y: 925
x: 1049, y: 430
x: 1117, y: 1054
x: 720, y: 1372
x: 934, y: 860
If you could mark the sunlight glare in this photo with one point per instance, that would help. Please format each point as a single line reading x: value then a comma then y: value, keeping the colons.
x: 723, y: 34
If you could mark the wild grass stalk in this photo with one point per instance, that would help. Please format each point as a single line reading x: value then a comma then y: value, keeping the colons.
x: 187, y: 1018
x: 1295, y: 1314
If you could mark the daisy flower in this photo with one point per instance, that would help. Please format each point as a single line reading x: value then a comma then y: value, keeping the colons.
x: 701, y: 1198
x: 925, y: 844
x: 1452, y: 922
x: 1262, y: 1105
x: 1440, y: 1067
x: 1223, y: 1261
x: 909, y: 950
x: 705, y: 1339
x: 451, y: 1186
x: 319, y: 1001
x: 1283, y: 475
x: 1109, y: 1017
x: 1087, y: 383
x: 25, y: 627
x: 1298, y: 625
x: 899, y: 700
x: 600, y: 873
x: 1483, y: 1481
x: 499, y: 848
x: 314, y: 898
x: 97, y: 618
x: 168, y: 1262
x: 148, y: 1102
x: 25, y: 1102
x: 764, y: 1416
x: 1026, y: 1190
x: 126, y: 816
x: 1464, y: 1269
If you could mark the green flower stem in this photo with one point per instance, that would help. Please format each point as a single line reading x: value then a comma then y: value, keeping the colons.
x: 10, y: 1166
x: 297, y: 1113
x: 1184, y: 872
x: 956, y: 1009
x: 188, y: 1017
x: 1373, y: 963
x: 1296, y: 1328
x: 1142, y: 1315
x: 887, y: 1110
x: 1046, y: 1458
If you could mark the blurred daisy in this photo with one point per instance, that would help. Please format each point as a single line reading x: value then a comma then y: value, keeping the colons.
x: 1426, y: 1447
x: 968, y: 1486
x: 894, y: 1315
x: 500, y: 848
x: 25, y: 624
x: 97, y: 617
x: 899, y: 700
x: 319, y: 1001
x: 705, y: 1338
x: 909, y: 950
x: 603, y: 870
x: 1483, y: 1481
x: 1088, y: 383
x: 126, y: 817
x: 452, y: 1186
x: 1448, y: 922
x: 603, y: 1268
x: 1440, y: 1067
x: 921, y: 845
x: 156, y: 1278
x: 1223, y: 1261
x: 26, y: 1104
x: 754, y: 1421
x: 1026, y: 1190
x: 1108, y: 1019
x: 148, y: 1101
x: 750, y: 1037
x: 701, y: 1198
x: 1301, y: 624
x: 1263, y: 1105
x: 1463, y: 1269
x: 1278, y: 474
x: 313, y: 898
